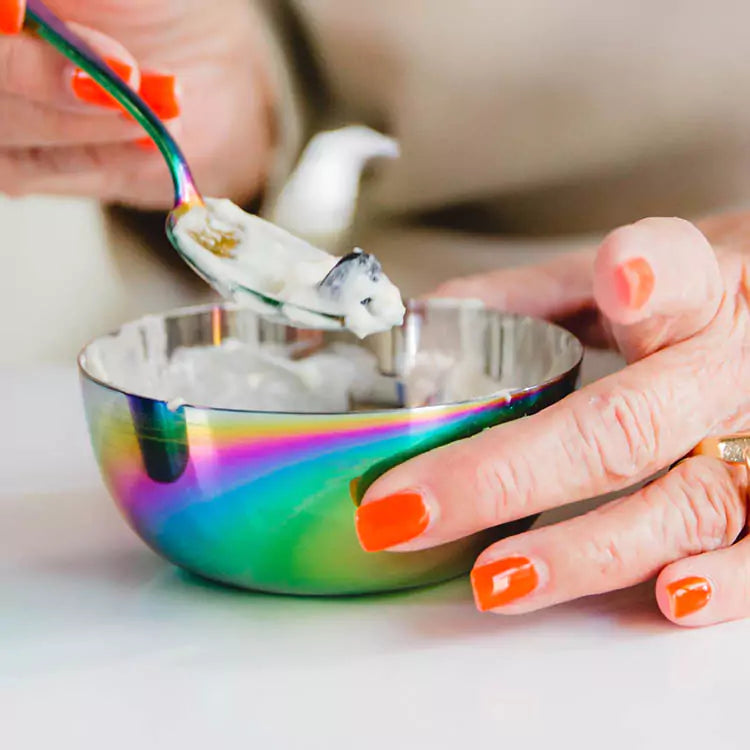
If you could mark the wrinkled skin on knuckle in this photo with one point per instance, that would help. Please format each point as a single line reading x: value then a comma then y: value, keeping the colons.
x: 619, y: 550
x: 619, y: 436
x: 707, y: 507
x: 505, y: 487
x: 726, y: 348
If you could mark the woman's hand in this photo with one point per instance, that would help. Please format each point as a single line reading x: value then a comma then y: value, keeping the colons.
x: 678, y: 310
x: 199, y: 65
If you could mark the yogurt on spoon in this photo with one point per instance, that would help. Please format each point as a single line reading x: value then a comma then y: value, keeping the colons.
x: 260, y: 265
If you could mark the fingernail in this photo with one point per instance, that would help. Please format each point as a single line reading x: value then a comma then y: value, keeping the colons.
x: 392, y: 520
x: 146, y: 144
x: 688, y: 595
x: 88, y: 90
x: 161, y: 93
x: 12, y: 13
x: 634, y: 282
x: 503, y: 581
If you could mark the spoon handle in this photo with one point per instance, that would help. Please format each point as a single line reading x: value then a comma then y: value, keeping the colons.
x: 43, y: 22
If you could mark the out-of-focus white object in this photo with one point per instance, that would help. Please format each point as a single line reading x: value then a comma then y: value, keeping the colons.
x: 319, y: 199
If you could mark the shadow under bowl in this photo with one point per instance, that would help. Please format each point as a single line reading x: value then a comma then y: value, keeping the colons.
x: 265, y: 500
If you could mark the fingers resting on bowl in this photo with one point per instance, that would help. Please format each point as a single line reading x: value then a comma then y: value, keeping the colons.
x: 680, y: 316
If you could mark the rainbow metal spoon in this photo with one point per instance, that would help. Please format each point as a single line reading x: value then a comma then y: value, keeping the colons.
x: 45, y: 24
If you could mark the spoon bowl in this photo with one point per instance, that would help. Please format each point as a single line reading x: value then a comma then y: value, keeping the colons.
x: 231, y: 288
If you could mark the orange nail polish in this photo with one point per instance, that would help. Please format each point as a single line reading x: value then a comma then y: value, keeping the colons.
x: 392, y: 520
x: 503, y: 581
x: 688, y: 595
x: 146, y: 144
x: 88, y: 90
x: 12, y: 13
x: 159, y: 91
x: 634, y: 282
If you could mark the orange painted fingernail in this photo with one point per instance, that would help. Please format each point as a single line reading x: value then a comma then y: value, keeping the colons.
x: 160, y: 92
x: 392, y: 520
x: 688, y: 595
x: 634, y: 282
x: 503, y: 581
x: 88, y: 90
x: 146, y: 144
x: 12, y: 13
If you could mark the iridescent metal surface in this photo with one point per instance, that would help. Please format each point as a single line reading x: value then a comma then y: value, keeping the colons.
x: 266, y: 500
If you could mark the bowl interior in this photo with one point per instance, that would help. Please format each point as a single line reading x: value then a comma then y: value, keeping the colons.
x: 223, y: 357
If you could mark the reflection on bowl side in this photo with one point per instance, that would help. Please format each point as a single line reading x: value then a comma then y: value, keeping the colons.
x: 266, y: 500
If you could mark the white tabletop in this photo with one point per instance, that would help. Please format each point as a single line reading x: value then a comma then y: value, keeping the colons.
x: 103, y: 645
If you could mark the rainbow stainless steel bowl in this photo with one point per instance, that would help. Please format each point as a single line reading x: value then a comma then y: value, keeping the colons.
x: 266, y: 500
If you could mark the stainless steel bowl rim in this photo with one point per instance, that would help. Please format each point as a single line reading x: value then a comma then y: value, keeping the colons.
x: 203, y: 308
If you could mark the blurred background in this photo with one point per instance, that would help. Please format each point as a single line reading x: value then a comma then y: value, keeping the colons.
x: 466, y: 136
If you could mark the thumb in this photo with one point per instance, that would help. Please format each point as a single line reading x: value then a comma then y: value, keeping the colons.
x: 657, y: 282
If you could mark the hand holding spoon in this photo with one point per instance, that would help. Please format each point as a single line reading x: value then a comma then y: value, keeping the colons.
x: 242, y: 256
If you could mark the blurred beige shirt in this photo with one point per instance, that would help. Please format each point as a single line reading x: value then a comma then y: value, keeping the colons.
x: 515, y: 119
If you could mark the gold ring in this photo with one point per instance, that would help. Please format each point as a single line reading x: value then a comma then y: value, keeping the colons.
x: 733, y: 449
